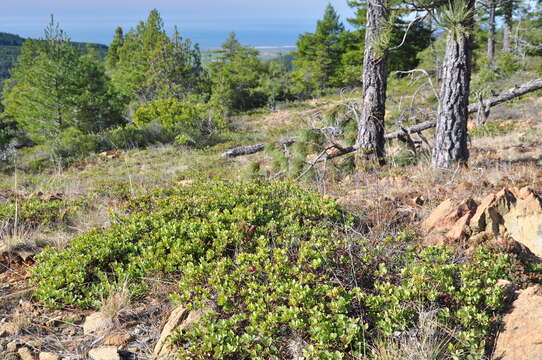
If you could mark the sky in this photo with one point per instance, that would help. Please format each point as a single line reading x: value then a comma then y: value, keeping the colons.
x: 257, y: 22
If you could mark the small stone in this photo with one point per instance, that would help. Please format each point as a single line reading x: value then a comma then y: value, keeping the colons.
x: 97, y: 324
x: 69, y: 331
x: 25, y: 353
x: 104, y: 353
x: 48, y: 356
x: 12, y: 346
x: 117, y: 340
x: 7, y: 329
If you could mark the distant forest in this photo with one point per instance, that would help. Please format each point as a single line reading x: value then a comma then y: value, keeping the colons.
x: 10, y: 48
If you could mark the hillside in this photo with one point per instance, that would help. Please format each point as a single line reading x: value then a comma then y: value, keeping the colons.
x: 10, y: 48
x: 374, y: 195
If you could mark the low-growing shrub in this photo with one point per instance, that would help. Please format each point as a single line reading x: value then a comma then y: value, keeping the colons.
x: 33, y: 212
x: 280, y: 272
x: 492, y: 128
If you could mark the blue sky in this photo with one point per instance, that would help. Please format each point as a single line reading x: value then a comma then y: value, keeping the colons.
x: 257, y: 22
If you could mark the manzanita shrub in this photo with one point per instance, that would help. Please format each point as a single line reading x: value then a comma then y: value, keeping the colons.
x: 279, y: 272
x: 33, y: 211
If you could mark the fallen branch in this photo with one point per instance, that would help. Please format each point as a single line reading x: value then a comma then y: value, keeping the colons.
x: 253, y: 149
x: 508, y: 95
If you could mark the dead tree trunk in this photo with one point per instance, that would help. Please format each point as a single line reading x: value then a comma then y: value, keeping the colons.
x: 370, y: 138
x: 491, y: 35
x: 451, y: 140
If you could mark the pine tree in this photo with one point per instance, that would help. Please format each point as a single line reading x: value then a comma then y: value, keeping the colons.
x: 370, y: 139
x: 133, y: 58
x: 113, y: 52
x: 235, y: 77
x: 451, y: 135
x: 175, y: 69
x: 53, y: 88
x: 318, y: 55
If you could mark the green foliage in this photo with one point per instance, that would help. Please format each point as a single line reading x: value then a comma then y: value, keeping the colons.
x: 272, y: 265
x: 147, y: 65
x: 10, y: 49
x: 455, y: 17
x: 466, y: 295
x: 188, y: 121
x: 35, y: 212
x: 318, y: 55
x: 236, y: 77
x: 170, y: 229
x: 492, y: 128
x: 53, y: 88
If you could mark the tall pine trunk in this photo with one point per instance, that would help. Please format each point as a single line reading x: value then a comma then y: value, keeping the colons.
x: 491, y: 35
x: 507, y: 27
x: 451, y: 142
x: 370, y: 138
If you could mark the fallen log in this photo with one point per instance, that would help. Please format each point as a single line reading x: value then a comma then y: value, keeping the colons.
x: 508, y: 95
x: 253, y: 149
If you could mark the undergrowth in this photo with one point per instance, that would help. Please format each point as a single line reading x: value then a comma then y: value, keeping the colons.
x: 279, y: 272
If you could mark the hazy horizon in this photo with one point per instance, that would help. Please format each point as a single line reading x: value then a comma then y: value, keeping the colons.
x: 207, y: 22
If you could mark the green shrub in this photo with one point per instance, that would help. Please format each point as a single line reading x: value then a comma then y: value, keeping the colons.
x: 464, y: 292
x: 33, y: 212
x: 276, y: 266
x: 171, y: 228
x: 492, y: 128
x: 187, y: 120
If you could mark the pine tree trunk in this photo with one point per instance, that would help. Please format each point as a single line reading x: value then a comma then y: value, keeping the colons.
x: 491, y: 35
x: 370, y: 138
x: 451, y: 135
x: 507, y: 28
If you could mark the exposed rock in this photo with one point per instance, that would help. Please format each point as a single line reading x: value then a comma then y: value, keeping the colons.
x: 511, y: 216
x: 48, y: 356
x: 104, y: 353
x: 97, y: 324
x: 524, y: 222
x: 25, y: 354
x: 451, y: 219
x: 460, y: 228
x: 117, y: 339
x: 181, y: 319
x: 489, y: 215
x: 521, y: 335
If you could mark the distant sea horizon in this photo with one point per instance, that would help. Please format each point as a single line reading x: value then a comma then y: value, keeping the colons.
x: 208, y: 35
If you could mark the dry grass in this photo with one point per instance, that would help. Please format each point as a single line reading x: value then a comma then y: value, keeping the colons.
x: 426, y: 341
x: 117, y: 301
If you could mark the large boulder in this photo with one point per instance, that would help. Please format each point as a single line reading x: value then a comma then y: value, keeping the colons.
x: 524, y: 222
x: 521, y: 334
x: 180, y: 319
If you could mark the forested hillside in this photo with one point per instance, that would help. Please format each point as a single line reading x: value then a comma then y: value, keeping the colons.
x: 374, y: 194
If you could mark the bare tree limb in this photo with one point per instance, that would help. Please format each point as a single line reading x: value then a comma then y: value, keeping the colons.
x: 508, y: 95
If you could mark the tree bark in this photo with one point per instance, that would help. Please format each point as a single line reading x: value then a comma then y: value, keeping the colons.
x: 507, y: 27
x: 491, y: 35
x: 370, y: 137
x: 451, y: 140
